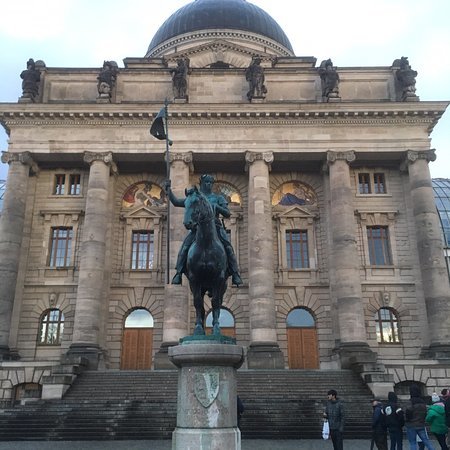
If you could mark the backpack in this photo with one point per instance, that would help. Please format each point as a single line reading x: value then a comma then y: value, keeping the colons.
x: 394, y: 416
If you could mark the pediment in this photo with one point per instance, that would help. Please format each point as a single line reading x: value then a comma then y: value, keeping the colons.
x: 218, y: 51
x: 296, y: 212
x: 143, y: 212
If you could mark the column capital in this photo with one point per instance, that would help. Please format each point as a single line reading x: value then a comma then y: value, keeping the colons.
x: 414, y: 155
x: 185, y: 157
x: 251, y: 157
x: 105, y: 157
x: 23, y: 157
x: 348, y: 156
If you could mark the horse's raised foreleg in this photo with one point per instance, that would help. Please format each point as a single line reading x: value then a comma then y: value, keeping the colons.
x: 199, y: 312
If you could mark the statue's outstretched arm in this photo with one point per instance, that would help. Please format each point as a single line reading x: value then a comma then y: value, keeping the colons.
x: 174, y: 200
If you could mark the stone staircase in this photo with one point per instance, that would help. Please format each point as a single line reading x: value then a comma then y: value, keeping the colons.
x: 108, y: 405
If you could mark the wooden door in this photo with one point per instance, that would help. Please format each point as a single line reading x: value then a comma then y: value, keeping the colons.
x: 137, y: 349
x: 302, y: 348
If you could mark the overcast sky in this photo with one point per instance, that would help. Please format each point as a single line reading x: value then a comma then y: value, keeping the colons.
x: 84, y: 33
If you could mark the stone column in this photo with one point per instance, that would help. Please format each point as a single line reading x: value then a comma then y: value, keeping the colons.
x: 176, y: 301
x: 345, y: 283
x: 90, y: 293
x: 263, y: 352
x: 12, y: 221
x: 430, y: 249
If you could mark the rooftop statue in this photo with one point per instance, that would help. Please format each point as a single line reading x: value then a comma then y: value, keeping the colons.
x: 254, y: 74
x: 179, y: 78
x: 406, y: 78
x: 31, y: 78
x: 107, y: 79
x: 330, y: 80
x: 206, y: 256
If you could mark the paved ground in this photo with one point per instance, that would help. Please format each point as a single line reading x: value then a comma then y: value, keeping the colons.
x: 247, y: 444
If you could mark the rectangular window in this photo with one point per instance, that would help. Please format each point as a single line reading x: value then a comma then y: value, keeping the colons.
x: 379, y: 246
x: 74, y: 184
x: 60, y: 246
x: 297, y: 249
x: 364, y: 183
x: 379, y: 183
x: 142, y: 250
x: 60, y: 182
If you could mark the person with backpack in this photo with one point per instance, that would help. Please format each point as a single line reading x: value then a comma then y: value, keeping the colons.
x: 379, y: 428
x: 395, y: 420
x: 415, y: 420
x: 436, y: 418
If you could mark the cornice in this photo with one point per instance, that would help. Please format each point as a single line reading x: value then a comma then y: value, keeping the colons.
x: 225, y: 115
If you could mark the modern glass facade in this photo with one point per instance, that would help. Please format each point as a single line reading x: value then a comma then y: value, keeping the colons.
x: 441, y: 188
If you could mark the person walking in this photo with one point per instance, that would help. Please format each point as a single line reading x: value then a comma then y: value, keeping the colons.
x: 436, y: 418
x: 395, y: 420
x: 379, y: 428
x: 415, y: 420
x: 334, y: 413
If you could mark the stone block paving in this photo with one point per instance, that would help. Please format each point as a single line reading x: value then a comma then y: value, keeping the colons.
x: 247, y: 444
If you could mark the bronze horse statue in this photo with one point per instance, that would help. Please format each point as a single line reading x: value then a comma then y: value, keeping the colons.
x: 206, y: 265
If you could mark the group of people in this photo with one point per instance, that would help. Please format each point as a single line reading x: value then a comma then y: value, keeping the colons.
x: 390, y: 418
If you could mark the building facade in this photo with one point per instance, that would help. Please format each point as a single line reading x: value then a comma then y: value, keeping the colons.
x: 333, y: 219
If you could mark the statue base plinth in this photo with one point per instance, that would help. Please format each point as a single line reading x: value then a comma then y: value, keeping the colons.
x: 180, y: 100
x: 207, y: 394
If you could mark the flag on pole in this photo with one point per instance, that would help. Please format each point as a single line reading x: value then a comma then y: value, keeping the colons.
x: 158, y: 129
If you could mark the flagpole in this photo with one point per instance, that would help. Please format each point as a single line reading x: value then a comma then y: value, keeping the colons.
x: 168, y: 143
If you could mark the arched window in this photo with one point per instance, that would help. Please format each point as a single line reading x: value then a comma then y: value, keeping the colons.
x: 294, y: 193
x: 139, y: 318
x: 226, y: 322
x: 51, y: 327
x: 387, y: 326
x: 300, y: 317
x: 143, y: 193
x: 230, y: 193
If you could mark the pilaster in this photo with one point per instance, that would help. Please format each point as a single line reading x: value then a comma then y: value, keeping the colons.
x: 176, y: 301
x: 11, y: 231
x: 345, y: 285
x: 264, y: 352
x: 431, y: 258
x: 91, y: 284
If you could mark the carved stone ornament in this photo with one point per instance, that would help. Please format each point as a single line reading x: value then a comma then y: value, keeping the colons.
x: 349, y: 156
x: 185, y: 157
x: 206, y: 386
x: 105, y: 157
x: 52, y: 299
x: 385, y: 298
x: 23, y: 157
x: 251, y: 157
x: 413, y: 155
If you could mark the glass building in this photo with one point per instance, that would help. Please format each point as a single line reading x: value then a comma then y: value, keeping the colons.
x: 441, y: 188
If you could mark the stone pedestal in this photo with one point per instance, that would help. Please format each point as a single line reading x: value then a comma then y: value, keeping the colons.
x: 206, y: 407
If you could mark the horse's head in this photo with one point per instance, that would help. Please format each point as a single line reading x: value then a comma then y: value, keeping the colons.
x: 197, y: 208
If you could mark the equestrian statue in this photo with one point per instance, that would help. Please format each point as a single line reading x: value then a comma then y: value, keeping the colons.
x: 206, y: 256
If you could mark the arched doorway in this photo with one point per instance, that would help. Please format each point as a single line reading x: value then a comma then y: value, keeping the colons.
x: 302, y: 340
x: 226, y: 321
x: 137, y: 341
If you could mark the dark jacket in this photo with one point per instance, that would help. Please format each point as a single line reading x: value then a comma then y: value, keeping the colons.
x: 395, y: 417
x: 416, y: 413
x: 378, y: 419
x: 335, y: 414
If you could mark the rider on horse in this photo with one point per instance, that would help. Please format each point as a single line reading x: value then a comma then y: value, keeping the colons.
x: 220, y: 206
